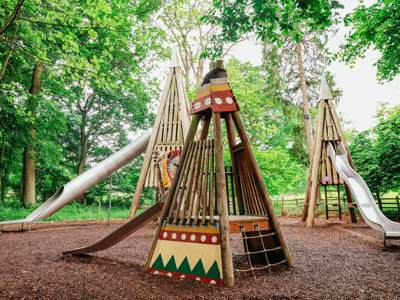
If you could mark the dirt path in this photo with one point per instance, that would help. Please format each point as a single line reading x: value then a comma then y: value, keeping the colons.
x: 331, y: 263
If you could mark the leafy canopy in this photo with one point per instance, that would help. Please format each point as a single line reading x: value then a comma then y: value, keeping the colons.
x: 271, y: 21
x: 377, y: 27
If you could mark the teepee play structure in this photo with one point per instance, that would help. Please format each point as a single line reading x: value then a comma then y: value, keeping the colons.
x: 193, y: 236
x: 168, y: 133
x: 324, y: 182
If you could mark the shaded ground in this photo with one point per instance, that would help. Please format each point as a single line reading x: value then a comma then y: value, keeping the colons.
x: 333, y: 261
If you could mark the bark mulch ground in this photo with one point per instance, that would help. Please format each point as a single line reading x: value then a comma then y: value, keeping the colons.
x: 333, y: 261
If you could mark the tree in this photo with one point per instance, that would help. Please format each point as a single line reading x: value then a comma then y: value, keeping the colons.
x: 273, y: 22
x: 375, y: 26
x: 377, y: 152
x: 182, y: 19
x: 29, y: 159
x: 271, y: 125
x: 96, y: 53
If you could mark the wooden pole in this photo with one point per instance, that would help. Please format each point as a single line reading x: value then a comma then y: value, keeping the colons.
x: 222, y: 203
x: 307, y: 195
x: 336, y: 122
x: 257, y: 174
x: 190, y: 136
x: 315, y: 167
x: 109, y: 201
x: 150, y: 146
x: 232, y: 143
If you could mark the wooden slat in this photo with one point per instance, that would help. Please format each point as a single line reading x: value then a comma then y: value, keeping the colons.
x: 176, y: 204
x: 212, y: 185
x: 189, y: 183
x: 192, y: 186
x: 199, y: 182
x: 167, y: 205
x: 204, y: 193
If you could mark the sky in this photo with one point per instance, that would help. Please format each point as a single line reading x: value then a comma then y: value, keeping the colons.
x: 361, y: 90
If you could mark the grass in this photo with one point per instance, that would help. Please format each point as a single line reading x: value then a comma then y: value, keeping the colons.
x: 73, y: 211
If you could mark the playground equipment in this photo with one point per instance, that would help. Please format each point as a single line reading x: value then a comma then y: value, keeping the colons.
x: 193, y: 235
x: 169, y: 130
x: 77, y: 186
x: 321, y: 172
x: 166, y: 167
x: 363, y: 196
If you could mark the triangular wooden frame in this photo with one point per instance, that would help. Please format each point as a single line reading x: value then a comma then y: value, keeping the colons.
x: 321, y: 170
x: 169, y: 130
x: 181, y: 209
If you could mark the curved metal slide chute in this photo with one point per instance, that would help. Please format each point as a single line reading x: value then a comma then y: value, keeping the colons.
x: 80, y: 184
x: 122, y: 232
x: 362, y: 195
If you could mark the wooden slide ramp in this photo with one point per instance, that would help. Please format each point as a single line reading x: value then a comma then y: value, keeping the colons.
x: 122, y: 232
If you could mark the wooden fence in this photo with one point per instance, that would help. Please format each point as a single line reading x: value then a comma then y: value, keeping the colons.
x: 293, y: 204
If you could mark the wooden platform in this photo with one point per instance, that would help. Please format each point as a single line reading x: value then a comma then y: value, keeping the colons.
x: 247, y: 222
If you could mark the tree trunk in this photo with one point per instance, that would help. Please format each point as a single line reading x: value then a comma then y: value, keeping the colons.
x: 29, y: 169
x: 84, y: 149
x: 83, y: 156
x: 306, y: 103
x: 84, y: 144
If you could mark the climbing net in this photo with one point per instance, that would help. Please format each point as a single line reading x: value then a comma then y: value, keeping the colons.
x: 261, y: 250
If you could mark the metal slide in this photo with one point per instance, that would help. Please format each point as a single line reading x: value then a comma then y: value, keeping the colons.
x: 361, y: 193
x: 122, y: 232
x: 77, y: 186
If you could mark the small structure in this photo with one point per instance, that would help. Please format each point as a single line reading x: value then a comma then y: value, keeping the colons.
x: 193, y: 236
x: 321, y: 171
x: 168, y: 133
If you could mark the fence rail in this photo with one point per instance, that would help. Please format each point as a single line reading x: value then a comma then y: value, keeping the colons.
x: 294, y: 204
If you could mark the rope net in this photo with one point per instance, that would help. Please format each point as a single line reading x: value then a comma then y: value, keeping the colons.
x: 262, y: 250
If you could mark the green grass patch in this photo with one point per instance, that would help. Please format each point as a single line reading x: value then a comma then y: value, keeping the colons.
x: 73, y: 211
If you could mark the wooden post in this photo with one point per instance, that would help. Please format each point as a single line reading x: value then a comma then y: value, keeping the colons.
x: 149, y: 150
x: 232, y: 143
x: 222, y: 203
x: 190, y: 136
x: 398, y: 204
x: 350, y: 203
x: 308, y: 192
x: 263, y: 190
x: 282, y: 206
x: 109, y: 201
x: 315, y: 167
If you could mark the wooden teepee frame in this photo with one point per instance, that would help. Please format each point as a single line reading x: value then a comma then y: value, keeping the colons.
x: 169, y: 130
x: 321, y: 170
x: 193, y: 205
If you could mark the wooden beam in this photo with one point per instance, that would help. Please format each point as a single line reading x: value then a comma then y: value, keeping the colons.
x: 263, y: 189
x: 149, y: 151
x: 227, y: 266
x: 232, y: 143
x: 315, y: 167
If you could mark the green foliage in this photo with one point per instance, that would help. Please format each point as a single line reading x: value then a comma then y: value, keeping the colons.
x: 95, y: 87
x: 375, y: 26
x: 377, y: 152
x: 272, y: 126
x: 271, y: 21
x: 281, y: 173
